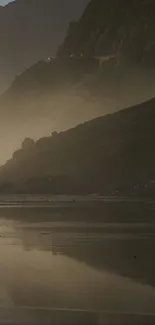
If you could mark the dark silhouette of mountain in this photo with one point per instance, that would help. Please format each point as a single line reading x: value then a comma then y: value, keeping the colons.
x: 102, y: 65
x: 48, y: 96
x: 31, y: 30
x: 61, y: 93
x: 123, y: 29
x: 111, y: 154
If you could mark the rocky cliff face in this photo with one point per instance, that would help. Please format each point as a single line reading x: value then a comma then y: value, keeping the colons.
x: 125, y: 29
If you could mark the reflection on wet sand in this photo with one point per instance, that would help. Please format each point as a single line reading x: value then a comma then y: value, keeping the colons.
x: 79, y: 266
x: 126, y: 252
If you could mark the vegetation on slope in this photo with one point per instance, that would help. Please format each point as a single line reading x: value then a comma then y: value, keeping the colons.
x: 105, y: 155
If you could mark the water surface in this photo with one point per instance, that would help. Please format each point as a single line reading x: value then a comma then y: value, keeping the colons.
x: 84, y: 264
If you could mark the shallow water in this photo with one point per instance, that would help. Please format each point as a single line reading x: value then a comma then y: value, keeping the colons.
x: 77, y: 265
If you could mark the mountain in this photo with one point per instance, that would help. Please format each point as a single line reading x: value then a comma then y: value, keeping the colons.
x: 123, y: 29
x: 110, y: 154
x: 61, y: 93
x: 48, y: 96
x: 103, y: 65
x: 31, y: 30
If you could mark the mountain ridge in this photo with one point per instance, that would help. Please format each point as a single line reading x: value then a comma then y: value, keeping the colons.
x: 105, y: 155
x: 53, y: 95
x: 61, y: 93
x: 31, y: 30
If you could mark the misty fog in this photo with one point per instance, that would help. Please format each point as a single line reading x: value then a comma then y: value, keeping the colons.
x: 95, y: 95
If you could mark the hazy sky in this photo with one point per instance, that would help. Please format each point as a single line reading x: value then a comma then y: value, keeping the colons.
x: 4, y: 2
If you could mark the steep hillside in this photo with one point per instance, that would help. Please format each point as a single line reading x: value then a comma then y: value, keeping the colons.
x: 31, y: 30
x: 62, y: 93
x: 125, y: 29
x: 102, y: 66
x: 49, y: 96
x: 108, y: 154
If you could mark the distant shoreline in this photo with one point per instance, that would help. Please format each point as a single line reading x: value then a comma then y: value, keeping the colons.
x: 69, y: 200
